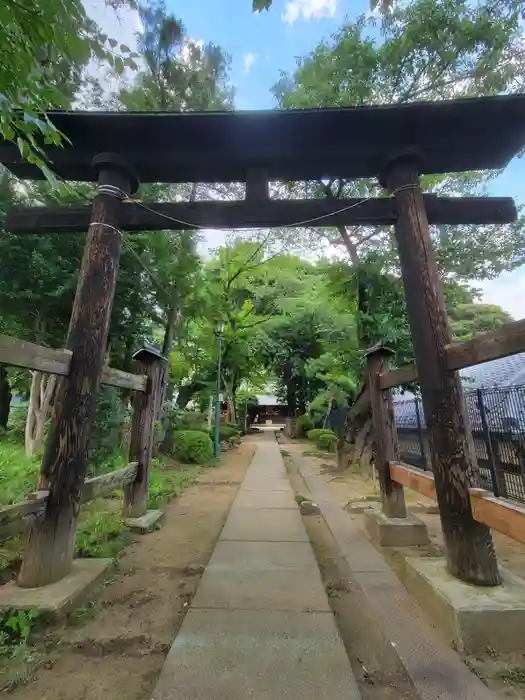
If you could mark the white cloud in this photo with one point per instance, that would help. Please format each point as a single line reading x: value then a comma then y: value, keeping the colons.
x: 507, y: 291
x: 249, y: 60
x: 308, y: 9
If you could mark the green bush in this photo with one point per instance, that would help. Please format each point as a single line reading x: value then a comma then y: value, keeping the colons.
x: 326, y: 442
x: 189, y: 420
x: 192, y: 446
x: 226, y: 432
x: 316, y: 432
x: 304, y: 424
x: 106, y: 433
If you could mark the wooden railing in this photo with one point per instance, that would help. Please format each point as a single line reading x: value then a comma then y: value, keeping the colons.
x: 498, y: 513
x: 482, y: 506
x: 134, y: 478
x: 96, y: 487
x: 505, y: 341
x: 21, y: 353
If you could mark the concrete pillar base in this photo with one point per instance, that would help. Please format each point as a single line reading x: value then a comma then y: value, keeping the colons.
x: 57, y: 599
x: 473, y: 617
x: 151, y: 520
x: 395, y: 532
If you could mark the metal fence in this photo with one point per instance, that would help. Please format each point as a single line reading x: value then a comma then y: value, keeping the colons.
x: 497, y: 420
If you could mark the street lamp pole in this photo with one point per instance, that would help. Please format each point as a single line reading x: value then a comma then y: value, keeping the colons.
x: 217, y: 426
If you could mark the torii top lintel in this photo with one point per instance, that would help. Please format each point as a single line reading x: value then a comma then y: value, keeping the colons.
x: 451, y: 136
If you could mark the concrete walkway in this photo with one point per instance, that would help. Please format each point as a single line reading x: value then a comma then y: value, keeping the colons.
x: 260, y: 625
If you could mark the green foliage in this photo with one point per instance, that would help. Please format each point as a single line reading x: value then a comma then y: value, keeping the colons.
x: 226, y: 432
x: 190, y: 420
x: 110, y: 418
x: 45, y: 46
x: 316, y: 432
x: 304, y: 425
x: 101, y: 531
x: 18, y: 473
x: 15, y: 627
x: 166, y: 482
x: 327, y: 442
x: 192, y: 447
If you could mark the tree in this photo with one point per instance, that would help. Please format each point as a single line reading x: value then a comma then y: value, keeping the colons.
x: 45, y: 45
x: 424, y: 50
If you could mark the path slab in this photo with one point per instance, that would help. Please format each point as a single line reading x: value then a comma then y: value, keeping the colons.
x: 264, y: 525
x: 261, y: 590
x: 265, y: 499
x: 266, y: 655
x: 262, y: 556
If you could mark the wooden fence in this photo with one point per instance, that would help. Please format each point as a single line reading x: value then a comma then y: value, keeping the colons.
x: 133, y: 478
x: 375, y: 398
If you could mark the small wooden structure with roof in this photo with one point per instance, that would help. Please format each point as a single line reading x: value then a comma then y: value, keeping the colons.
x: 394, y: 143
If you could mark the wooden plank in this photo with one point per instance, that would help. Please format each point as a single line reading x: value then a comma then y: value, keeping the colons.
x: 48, y: 555
x: 123, y: 380
x: 470, y: 552
x: 501, y: 515
x: 103, y: 485
x: 509, y: 339
x: 261, y: 214
x: 20, y: 353
x: 20, y: 511
x: 419, y: 481
x: 396, y: 377
x: 385, y: 435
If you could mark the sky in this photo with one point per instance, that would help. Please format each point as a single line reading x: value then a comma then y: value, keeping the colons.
x: 262, y: 45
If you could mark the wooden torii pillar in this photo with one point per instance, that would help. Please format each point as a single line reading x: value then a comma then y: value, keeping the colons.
x: 469, y: 548
x: 48, y: 556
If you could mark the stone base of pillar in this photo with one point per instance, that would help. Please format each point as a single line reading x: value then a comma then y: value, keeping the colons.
x: 395, y: 532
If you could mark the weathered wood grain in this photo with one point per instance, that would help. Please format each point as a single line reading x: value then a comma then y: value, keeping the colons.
x: 469, y: 548
x: 104, y: 484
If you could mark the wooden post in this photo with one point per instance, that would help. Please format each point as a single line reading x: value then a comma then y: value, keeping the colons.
x: 48, y: 556
x: 469, y: 547
x: 145, y: 407
x: 385, y: 434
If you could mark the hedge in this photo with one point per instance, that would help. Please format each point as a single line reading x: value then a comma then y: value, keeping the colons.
x: 326, y: 442
x: 304, y: 424
x: 316, y: 432
x: 192, y: 446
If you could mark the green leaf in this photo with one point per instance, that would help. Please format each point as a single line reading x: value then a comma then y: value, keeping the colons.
x: 124, y: 48
x: 119, y: 65
x: 260, y: 5
x: 112, y: 42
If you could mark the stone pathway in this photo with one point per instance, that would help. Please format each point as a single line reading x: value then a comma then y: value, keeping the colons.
x: 260, y: 625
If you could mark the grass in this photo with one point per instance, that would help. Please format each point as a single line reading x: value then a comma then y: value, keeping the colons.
x: 101, y: 531
x: 514, y: 675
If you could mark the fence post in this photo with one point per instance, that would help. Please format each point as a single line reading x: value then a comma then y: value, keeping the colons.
x: 385, y: 435
x: 497, y: 475
x: 420, y: 435
x: 48, y: 555
x: 150, y: 362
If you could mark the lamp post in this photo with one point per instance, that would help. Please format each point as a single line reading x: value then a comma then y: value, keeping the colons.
x: 216, y: 432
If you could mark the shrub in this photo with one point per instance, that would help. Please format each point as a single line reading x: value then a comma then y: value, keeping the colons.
x: 326, y: 442
x: 192, y: 446
x: 226, y: 432
x: 106, y: 433
x: 316, y: 432
x: 304, y: 424
x: 189, y: 420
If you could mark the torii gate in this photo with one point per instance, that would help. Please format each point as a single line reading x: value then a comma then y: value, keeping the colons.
x: 395, y: 143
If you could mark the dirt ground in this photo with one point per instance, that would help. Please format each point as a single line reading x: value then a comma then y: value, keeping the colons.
x: 375, y: 664
x: 116, y: 645
x: 504, y: 674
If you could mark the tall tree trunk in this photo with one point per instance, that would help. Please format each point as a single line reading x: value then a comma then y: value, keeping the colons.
x: 5, y: 397
x: 230, y: 399
x: 40, y: 400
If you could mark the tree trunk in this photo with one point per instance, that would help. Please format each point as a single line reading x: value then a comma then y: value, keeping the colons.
x: 40, y: 399
x: 5, y: 397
